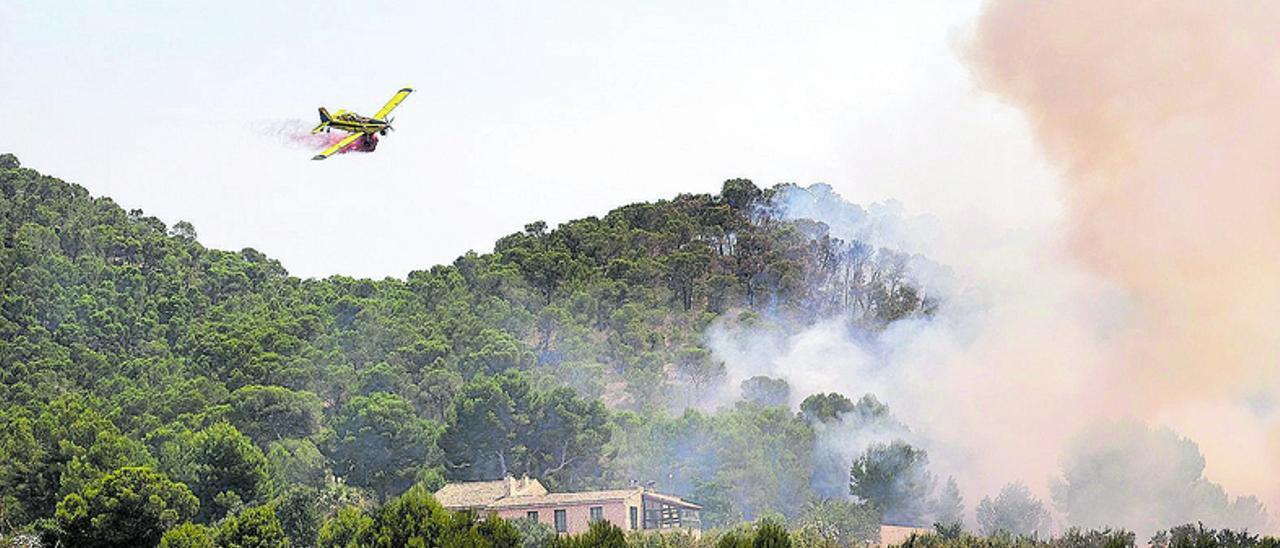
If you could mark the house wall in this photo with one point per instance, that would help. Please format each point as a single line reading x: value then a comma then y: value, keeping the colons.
x: 578, y: 515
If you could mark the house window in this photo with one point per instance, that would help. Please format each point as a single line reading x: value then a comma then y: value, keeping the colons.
x: 531, y: 515
x: 670, y: 516
x: 634, y: 515
x: 597, y: 513
x: 562, y: 524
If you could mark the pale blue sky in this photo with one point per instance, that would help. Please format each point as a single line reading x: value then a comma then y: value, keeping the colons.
x: 523, y: 111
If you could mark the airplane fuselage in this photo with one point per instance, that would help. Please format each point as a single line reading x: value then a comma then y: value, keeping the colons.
x: 354, y: 123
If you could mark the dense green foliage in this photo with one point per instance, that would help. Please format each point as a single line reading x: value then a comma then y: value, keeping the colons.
x: 255, y: 527
x: 129, y: 507
x: 126, y: 345
x: 189, y: 535
x: 1196, y: 536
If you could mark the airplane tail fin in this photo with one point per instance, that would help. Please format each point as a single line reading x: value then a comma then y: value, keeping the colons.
x: 324, y: 120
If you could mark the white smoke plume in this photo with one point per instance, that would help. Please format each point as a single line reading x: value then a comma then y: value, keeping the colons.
x: 297, y: 133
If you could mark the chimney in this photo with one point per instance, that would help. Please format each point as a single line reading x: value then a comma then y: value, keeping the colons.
x: 510, y: 485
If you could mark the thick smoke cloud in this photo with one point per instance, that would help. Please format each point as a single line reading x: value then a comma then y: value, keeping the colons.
x: 1162, y: 117
x: 1153, y: 300
x: 1007, y: 382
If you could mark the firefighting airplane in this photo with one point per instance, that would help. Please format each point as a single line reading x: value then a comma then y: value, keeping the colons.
x: 359, y: 127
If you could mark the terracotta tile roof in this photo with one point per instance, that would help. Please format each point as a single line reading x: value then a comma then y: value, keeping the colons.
x: 565, y: 498
x: 511, y: 493
x: 471, y: 494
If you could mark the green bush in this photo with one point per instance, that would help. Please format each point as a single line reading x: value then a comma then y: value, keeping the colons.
x: 601, y: 534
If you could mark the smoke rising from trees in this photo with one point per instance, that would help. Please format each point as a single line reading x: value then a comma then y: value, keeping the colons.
x: 1153, y: 299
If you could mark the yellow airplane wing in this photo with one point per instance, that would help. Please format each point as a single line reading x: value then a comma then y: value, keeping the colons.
x: 392, y: 104
x: 338, y: 146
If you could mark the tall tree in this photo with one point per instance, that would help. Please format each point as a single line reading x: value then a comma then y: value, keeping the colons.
x: 739, y: 193
x: 411, y: 519
x: 762, y: 390
x: 948, y: 509
x: 896, y: 479
x: 685, y: 269
x: 253, y: 527
x: 501, y: 426
x: 825, y: 407
x: 127, y: 507
x: 482, y: 439
x: 437, y: 388
x: 566, y: 437
x: 380, y: 443
x: 228, y: 470
x: 273, y: 413
x: 1145, y: 478
x: 1014, y: 511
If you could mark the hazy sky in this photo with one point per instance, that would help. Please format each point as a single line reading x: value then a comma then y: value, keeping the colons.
x: 523, y: 111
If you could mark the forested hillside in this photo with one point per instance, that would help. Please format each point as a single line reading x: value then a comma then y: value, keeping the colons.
x: 130, y: 354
